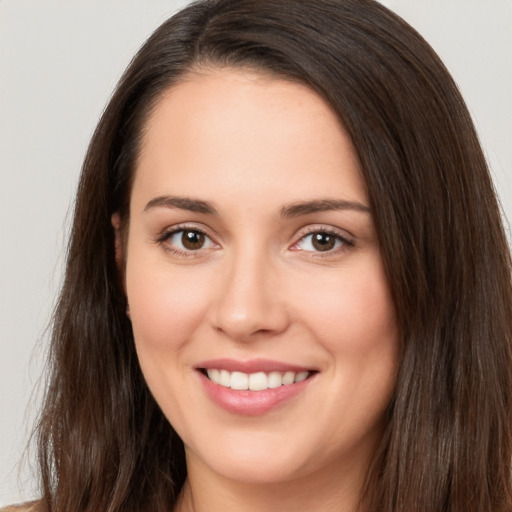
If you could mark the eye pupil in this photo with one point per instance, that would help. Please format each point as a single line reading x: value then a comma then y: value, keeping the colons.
x: 323, y: 241
x: 192, y: 240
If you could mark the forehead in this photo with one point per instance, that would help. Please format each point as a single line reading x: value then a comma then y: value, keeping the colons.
x: 235, y: 131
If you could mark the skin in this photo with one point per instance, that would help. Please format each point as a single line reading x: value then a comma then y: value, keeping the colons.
x: 252, y: 145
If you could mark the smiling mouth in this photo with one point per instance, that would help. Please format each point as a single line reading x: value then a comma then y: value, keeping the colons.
x: 258, y: 381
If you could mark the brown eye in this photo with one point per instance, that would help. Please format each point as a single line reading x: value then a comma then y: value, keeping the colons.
x: 323, y: 241
x: 183, y: 241
x: 192, y: 240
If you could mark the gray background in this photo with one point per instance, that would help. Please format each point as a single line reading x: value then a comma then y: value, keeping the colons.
x: 59, y: 61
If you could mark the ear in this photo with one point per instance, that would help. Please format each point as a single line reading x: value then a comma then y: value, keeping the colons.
x: 119, y: 248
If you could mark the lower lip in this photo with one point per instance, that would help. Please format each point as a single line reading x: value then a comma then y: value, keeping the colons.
x: 251, y: 403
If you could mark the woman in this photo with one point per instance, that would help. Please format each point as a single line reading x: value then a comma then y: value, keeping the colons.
x: 287, y: 282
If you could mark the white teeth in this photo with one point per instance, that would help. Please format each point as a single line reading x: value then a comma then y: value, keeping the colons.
x: 255, y: 381
x: 301, y: 376
x: 213, y: 374
x: 258, y: 381
x: 275, y: 380
x: 224, y: 379
x: 239, y: 380
x: 288, y: 378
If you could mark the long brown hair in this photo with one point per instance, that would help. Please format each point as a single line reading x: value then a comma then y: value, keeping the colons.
x: 104, y: 443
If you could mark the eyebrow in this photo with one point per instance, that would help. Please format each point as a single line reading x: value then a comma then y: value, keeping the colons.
x: 322, y: 205
x: 183, y: 203
x: 291, y: 210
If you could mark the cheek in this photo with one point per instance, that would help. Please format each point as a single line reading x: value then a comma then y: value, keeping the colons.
x: 165, y: 306
x: 353, y: 318
x: 352, y: 312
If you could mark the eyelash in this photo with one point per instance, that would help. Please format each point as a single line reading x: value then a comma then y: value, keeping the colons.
x: 344, y: 241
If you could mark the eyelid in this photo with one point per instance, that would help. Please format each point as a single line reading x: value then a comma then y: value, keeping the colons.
x: 184, y: 226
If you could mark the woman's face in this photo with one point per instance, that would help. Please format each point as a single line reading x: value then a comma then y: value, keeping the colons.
x: 252, y: 257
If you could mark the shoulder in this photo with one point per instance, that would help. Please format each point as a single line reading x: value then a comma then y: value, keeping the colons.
x: 32, y: 506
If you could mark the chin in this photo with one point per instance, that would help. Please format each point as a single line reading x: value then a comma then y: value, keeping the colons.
x: 257, y: 458
x: 257, y: 470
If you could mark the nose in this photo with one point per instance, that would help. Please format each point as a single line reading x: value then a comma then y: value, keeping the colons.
x: 250, y: 301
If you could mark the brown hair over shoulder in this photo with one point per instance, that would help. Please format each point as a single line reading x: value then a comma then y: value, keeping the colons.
x: 104, y: 443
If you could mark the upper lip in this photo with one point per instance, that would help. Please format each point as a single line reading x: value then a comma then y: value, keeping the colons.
x: 251, y: 366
